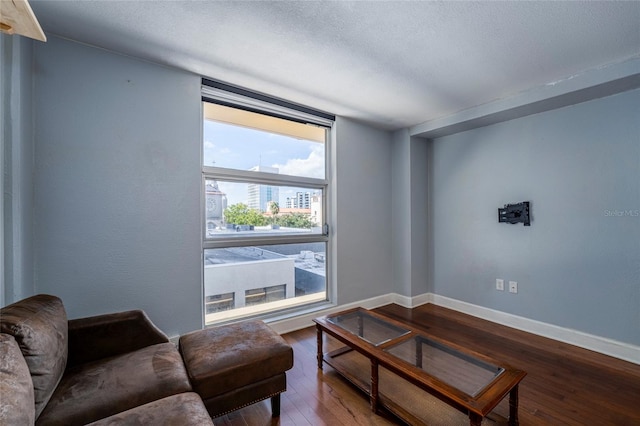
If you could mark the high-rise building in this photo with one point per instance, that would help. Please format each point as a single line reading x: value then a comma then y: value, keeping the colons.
x: 290, y: 203
x: 261, y: 195
x: 316, y: 209
x: 302, y: 200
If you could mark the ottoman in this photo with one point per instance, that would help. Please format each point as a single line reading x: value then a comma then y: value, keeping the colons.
x: 235, y: 365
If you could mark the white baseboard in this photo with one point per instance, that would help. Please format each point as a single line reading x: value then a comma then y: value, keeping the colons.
x: 298, y: 322
x: 411, y: 302
x: 603, y: 345
x: 287, y: 325
x: 614, y: 348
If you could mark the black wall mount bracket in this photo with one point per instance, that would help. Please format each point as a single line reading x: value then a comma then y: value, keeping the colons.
x: 515, y: 213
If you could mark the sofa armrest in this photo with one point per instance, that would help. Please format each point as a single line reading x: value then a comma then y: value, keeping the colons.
x: 102, y: 336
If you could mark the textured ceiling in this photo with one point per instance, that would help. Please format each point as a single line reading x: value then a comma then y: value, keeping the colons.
x: 391, y: 64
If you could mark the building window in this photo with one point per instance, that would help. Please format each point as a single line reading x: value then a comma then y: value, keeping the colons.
x: 219, y: 302
x: 257, y: 296
x: 265, y: 232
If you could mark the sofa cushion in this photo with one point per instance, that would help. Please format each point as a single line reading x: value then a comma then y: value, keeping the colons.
x: 39, y: 325
x: 183, y: 409
x: 17, y: 404
x: 102, y: 388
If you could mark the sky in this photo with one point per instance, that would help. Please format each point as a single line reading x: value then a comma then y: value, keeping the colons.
x: 243, y: 148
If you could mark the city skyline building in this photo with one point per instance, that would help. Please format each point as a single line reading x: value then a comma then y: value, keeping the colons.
x: 302, y: 200
x: 316, y: 215
x: 259, y: 196
x: 216, y: 203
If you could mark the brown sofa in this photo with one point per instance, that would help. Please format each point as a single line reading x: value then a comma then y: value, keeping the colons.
x: 114, y: 369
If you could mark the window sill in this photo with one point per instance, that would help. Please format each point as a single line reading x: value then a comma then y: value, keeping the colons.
x: 272, y: 311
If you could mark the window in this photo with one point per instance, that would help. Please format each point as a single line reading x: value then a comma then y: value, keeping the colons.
x: 219, y: 302
x: 265, y: 191
x: 257, y: 296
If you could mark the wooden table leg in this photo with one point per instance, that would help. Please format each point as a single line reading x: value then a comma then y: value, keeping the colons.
x: 320, y: 353
x: 513, y: 406
x: 475, y: 419
x: 374, y: 386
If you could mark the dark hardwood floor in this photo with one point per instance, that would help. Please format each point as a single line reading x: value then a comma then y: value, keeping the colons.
x: 565, y: 385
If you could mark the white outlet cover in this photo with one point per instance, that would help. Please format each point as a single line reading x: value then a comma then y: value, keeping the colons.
x: 499, y: 284
x: 513, y: 286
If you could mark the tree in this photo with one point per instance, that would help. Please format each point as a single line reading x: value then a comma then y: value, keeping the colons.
x: 241, y: 214
x: 295, y: 220
x: 275, y: 209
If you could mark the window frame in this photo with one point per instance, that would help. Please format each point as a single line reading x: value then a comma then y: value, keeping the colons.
x: 234, y: 97
x: 263, y: 178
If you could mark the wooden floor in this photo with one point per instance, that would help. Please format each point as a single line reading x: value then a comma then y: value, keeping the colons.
x: 565, y: 385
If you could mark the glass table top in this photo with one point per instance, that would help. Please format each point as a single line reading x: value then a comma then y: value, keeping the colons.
x: 460, y: 370
x: 368, y: 327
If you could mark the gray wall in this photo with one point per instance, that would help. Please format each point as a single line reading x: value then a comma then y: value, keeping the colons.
x: 420, y: 166
x: 363, y: 211
x: 17, y: 169
x: 116, y: 216
x: 578, y: 265
x: 117, y: 201
x: 410, y: 214
x: 401, y: 214
x: 117, y: 184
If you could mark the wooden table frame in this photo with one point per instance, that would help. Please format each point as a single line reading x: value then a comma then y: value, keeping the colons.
x: 477, y: 407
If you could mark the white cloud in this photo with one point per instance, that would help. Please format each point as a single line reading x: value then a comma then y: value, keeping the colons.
x: 312, y: 166
x: 213, y: 153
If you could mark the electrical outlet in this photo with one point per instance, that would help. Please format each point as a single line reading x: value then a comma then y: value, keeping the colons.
x: 499, y: 284
x: 513, y: 286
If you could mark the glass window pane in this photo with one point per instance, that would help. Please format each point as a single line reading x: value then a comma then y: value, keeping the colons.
x: 260, y: 279
x: 264, y: 180
x: 250, y: 209
x: 242, y: 140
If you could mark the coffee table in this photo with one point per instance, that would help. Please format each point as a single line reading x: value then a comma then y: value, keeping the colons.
x: 412, y: 373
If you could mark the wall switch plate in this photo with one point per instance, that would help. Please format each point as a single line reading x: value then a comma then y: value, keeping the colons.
x: 499, y: 284
x: 513, y: 286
